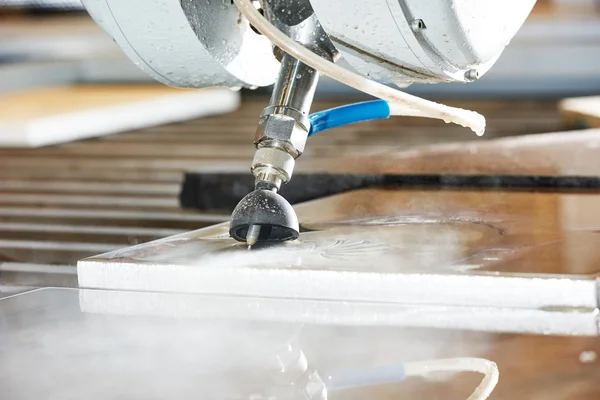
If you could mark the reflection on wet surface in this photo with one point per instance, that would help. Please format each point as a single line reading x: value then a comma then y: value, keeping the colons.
x: 65, y: 343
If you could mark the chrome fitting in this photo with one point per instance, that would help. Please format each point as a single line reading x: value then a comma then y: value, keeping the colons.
x: 284, y: 125
x: 283, y: 131
x: 272, y: 161
x: 299, y: 116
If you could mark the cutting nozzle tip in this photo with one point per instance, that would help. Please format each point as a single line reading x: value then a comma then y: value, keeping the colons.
x: 252, y: 235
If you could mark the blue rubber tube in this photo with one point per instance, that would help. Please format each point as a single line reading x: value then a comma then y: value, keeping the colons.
x: 349, y: 114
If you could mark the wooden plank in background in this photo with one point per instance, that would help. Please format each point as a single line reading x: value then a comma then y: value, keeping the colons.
x: 580, y: 112
x: 47, y: 116
x: 87, y: 234
x: 95, y: 216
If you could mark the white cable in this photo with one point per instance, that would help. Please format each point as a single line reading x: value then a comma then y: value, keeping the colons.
x: 488, y: 368
x: 400, y: 103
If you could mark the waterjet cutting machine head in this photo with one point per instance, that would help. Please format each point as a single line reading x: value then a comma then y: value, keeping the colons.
x: 363, y: 43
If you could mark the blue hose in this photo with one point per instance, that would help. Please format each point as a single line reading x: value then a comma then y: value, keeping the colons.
x: 348, y: 114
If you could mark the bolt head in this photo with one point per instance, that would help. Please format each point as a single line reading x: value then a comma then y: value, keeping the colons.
x: 471, y: 75
x: 417, y: 25
x: 282, y: 128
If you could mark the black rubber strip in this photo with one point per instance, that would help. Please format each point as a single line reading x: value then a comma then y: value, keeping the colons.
x: 222, y: 191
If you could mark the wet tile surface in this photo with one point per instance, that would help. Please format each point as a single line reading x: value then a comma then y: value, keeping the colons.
x: 447, y: 247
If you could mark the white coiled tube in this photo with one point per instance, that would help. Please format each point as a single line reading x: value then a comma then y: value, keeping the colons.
x: 489, y: 369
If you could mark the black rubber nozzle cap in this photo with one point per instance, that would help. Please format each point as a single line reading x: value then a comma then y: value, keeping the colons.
x: 268, y: 209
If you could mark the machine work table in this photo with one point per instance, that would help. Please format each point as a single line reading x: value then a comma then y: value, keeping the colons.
x: 70, y: 343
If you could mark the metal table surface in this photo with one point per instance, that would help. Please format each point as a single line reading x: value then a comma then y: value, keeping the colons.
x: 74, y: 344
